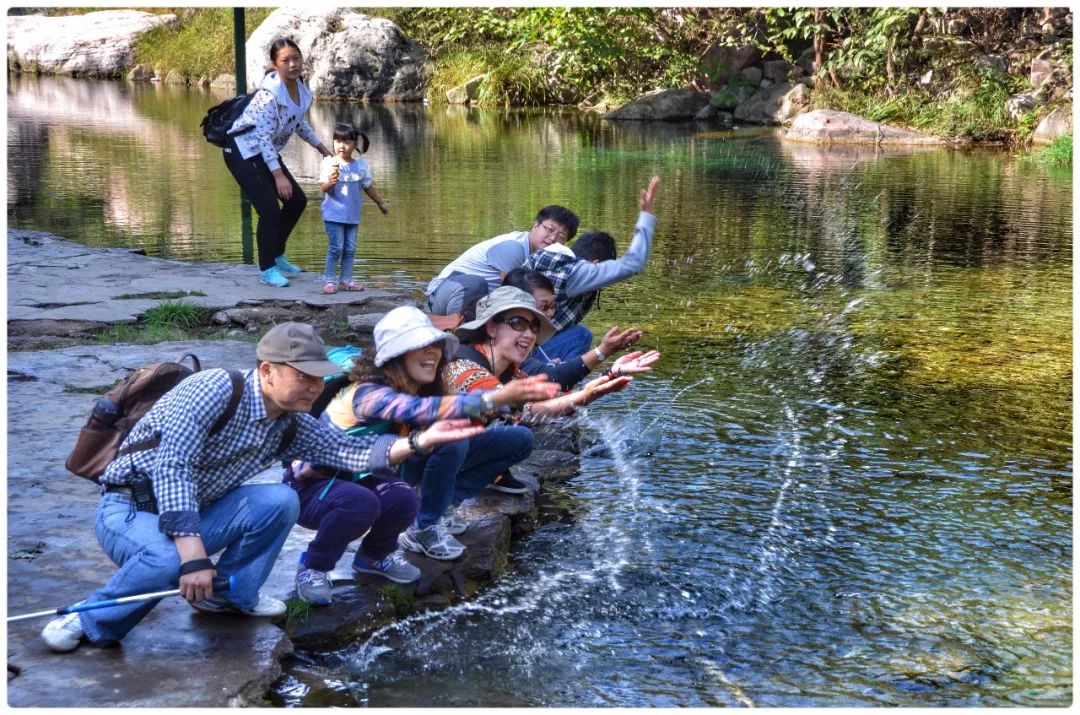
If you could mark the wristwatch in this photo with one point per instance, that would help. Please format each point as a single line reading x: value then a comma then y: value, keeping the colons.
x: 488, y: 402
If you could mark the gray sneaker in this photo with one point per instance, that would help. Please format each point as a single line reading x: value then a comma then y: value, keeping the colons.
x: 313, y: 586
x: 393, y: 567
x: 453, y: 523
x: 432, y: 541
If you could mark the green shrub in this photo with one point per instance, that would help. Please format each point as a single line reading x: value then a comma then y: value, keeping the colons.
x: 1059, y: 153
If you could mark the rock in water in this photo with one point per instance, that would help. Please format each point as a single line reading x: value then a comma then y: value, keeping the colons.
x: 97, y: 44
x: 826, y: 126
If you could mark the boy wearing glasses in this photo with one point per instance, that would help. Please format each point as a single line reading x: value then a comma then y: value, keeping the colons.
x: 579, y: 273
x: 480, y: 269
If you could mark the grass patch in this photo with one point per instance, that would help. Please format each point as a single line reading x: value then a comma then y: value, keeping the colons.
x: 201, y: 45
x: 161, y: 295
x: 1059, y: 153
x: 89, y: 390
x: 178, y: 313
x: 168, y: 321
x: 401, y: 600
x: 514, y: 77
x: 298, y: 611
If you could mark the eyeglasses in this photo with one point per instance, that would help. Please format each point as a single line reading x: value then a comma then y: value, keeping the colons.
x: 518, y: 324
x: 557, y: 231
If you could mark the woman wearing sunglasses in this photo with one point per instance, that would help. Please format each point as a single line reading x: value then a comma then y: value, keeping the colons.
x: 492, y: 348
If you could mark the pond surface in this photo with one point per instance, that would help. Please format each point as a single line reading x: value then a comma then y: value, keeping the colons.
x: 848, y: 483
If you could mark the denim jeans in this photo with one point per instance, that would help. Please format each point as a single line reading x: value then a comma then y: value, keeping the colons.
x: 249, y: 523
x: 342, y: 247
x: 567, y: 344
x: 458, y: 471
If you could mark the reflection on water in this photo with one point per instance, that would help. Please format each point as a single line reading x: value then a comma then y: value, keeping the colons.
x: 848, y: 482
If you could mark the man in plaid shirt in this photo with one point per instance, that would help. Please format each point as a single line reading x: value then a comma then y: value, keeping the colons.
x: 202, y: 503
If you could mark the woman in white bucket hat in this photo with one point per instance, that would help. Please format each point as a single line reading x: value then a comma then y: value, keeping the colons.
x: 396, y: 391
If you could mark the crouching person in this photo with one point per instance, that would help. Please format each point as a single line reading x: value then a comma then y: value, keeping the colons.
x: 166, y: 508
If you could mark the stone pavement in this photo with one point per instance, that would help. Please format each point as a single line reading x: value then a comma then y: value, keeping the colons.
x: 175, y: 657
x: 51, y: 278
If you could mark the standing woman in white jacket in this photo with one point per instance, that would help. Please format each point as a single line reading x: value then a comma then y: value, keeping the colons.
x: 252, y: 154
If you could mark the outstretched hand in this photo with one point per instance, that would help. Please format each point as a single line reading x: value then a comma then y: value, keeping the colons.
x: 647, y: 195
x: 635, y: 362
x: 595, y: 389
x: 447, y: 431
x: 615, y: 340
x: 526, y: 389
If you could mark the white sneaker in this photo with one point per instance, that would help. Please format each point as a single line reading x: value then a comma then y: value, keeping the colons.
x: 63, y: 634
x: 453, y: 523
x: 432, y: 541
x: 265, y: 606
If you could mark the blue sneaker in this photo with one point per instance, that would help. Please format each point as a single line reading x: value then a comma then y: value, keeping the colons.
x: 286, y: 268
x: 393, y: 567
x: 273, y: 277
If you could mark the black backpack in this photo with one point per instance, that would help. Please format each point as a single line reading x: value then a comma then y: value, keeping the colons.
x: 215, y: 125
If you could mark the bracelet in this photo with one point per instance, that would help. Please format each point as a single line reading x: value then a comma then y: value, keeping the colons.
x: 488, y: 401
x: 414, y: 443
x: 196, y: 565
x: 599, y: 355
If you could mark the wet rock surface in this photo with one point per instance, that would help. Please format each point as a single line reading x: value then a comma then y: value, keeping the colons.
x: 176, y: 656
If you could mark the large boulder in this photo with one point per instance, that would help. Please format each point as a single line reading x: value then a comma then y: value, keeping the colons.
x: 723, y: 63
x: 669, y: 105
x: 826, y: 126
x: 778, y: 104
x: 1055, y: 125
x: 97, y: 44
x: 347, y: 55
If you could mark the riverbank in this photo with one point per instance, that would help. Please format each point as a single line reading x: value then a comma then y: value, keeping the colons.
x: 177, y: 657
x: 984, y: 76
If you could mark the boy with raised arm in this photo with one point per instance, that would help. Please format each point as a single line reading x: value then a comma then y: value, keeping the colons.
x: 579, y: 273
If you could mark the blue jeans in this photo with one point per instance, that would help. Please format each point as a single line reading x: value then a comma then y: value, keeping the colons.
x: 342, y: 247
x: 567, y: 344
x: 458, y: 471
x: 250, y: 523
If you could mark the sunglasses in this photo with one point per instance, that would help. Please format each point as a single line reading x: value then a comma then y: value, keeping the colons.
x: 518, y: 324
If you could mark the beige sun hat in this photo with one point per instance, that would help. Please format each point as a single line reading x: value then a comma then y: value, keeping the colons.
x: 406, y: 328
x: 498, y: 301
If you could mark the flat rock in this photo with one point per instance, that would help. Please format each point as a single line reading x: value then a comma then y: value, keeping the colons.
x: 126, y: 284
x: 826, y: 126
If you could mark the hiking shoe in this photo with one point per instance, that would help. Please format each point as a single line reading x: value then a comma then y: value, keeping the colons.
x: 393, y: 567
x: 286, y: 268
x: 313, y: 586
x: 453, y: 523
x: 273, y: 277
x: 265, y: 606
x: 507, y: 483
x: 431, y: 541
x: 63, y: 634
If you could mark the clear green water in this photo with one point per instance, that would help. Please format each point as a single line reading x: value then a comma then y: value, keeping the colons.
x: 848, y: 483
